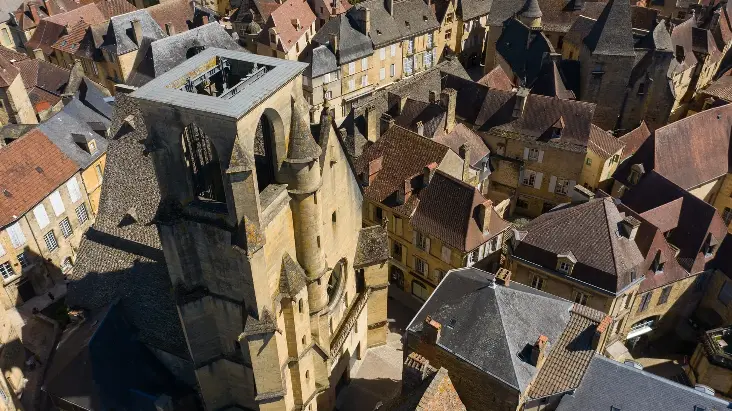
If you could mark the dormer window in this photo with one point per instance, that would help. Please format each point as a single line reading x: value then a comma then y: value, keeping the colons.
x: 566, y: 262
x: 564, y: 267
x: 92, y: 146
x: 636, y: 171
x: 710, y: 245
x: 657, y: 264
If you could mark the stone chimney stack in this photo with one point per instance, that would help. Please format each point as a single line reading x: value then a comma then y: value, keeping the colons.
x: 483, y: 215
x: 372, y: 124
x: 539, y: 351
x: 464, y: 153
x: 397, y: 102
x: 629, y: 227
x: 433, y: 97
x: 448, y: 100
x: 431, y: 331
x: 521, y: 96
x: 386, y: 122
x: 334, y: 43
x: 137, y: 31
x: 47, y: 7
x: 366, y: 22
x: 420, y: 128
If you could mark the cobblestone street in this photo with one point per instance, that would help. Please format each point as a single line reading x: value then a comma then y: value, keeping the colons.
x: 379, y: 376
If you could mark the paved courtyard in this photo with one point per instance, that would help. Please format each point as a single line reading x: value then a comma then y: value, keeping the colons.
x: 379, y: 376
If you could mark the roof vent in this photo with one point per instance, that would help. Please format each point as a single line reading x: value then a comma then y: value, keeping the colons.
x: 705, y: 389
x: 7, y: 193
x: 634, y: 364
x: 39, y: 170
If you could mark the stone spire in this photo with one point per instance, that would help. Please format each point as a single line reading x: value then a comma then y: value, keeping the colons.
x: 302, y: 147
x: 612, y: 33
x: 530, y: 14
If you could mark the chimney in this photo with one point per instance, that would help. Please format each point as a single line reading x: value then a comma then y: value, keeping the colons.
x: 386, y: 122
x: 521, y: 97
x: 389, y: 6
x: 433, y: 97
x: 372, y: 124
x: 169, y: 29
x: 427, y: 172
x: 137, y: 31
x: 448, y: 100
x: 34, y: 12
x: 483, y: 215
x: 416, y: 369
x: 406, y: 192
x: 46, y: 6
x: 296, y: 24
x: 539, y: 350
x: 420, y: 128
x: 464, y: 153
x: 205, y: 19
x: 600, y: 331
x: 334, y: 43
x: 578, y: 5
x: 431, y: 331
x: 366, y: 22
x: 396, y: 102
x: 503, y: 277
x: 374, y: 168
x: 629, y: 227
x: 580, y: 194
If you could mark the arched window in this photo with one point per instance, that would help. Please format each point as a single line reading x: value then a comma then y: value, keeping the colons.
x: 203, y: 164
x: 299, y: 305
x: 264, y: 158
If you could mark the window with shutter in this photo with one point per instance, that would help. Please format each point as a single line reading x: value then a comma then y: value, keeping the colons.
x: 552, y: 183
x: 2, y: 250
x: 17, y: 238
x: 57, y: 203
x: 537, y: 182
x: 74, y: 191
x: 41, y: 217
x: 526, y: 153
x: 540, y: 158
x: 398, y: 226
x: 446, y: 254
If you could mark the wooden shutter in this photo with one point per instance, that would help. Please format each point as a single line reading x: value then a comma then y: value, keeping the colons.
x: 541, y: 156
x: 414, y: 237
x: 526, y: 153
x: 427, y: 243
x: 446, y: 254
x: 41, y: 217
x: 57, y: 203
x: 17, y: 238
x: 74, y: 192
x: 552, y: 183
x: 537, y: 180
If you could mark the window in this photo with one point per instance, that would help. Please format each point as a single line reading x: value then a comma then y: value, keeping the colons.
x: 398, y: 226
x: 334, y: 217
x: 532, y: 178
x: 396, y: 251
x: 299, y: 305
x: 57, y: 203
x: 50, y: 239
x: 428, y: 59
x: 657, y: 265
x: 449, y: 18
x: 66, y: 265
x: 382, y: 73
x: 65, y: 226
x: 533, y: 154
x: 664, y: 295
x: 448, y: 34
x: 364, y: 80
x: 351, y: 67
x: 98, y: 169
x: 562, y: 186
x: 351, y: 84
x: 472, y: 258
x: 725, y: 294
x: 421, y: 241
x: 392, y: 70
x: 727, y: 215
x: 74, y: 191
x: 393, y: 51
x: 420, y: 291
x: 365, y: 63
x: 565, y: 267
x: 378, y: 214
x: 645, y: 301
x: 81, y: 213
x: 41, y: 217
x: 6, y: 270
x: 382, y: 53
x: 438, y: 275
x: 429, y: 40
x: 588, y: 161
x: 446, y: 254
x: 17, y: 238
x: 598, y: 71
x: 410, y: 46
x: 580, y: 298
x: 628, y: 301
x: 560, y: 42
x: 408, y: 62
x: 2, y: 250
x: 92, y: 146
x: 633, y: 177
x: 537, y: 282
x: 641, y: 89
x: 421, y: 266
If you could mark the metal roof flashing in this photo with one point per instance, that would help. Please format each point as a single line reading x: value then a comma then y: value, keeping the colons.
x: 255, y: 79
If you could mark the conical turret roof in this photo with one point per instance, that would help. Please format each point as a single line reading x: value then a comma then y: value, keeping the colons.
x: 612, y: 33
x: 531, y: 9
x: 303, y: 147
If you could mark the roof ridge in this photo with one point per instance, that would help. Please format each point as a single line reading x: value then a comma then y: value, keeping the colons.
x: 612, y: 237
x: 504, y: 333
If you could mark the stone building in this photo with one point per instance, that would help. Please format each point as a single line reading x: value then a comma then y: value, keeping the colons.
x: 277, y: 306
x: 715, y: 308
x: 424, y: 388
x: 692, y: 153
x: 435, y: 219
x: 288, y: 31
x: 16, y: 104
x: 45, y: 212
x: 711, y: 363
x: 463, y: 27
x: 527, y: 357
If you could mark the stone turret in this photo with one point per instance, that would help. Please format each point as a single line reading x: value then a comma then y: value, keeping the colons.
x: 531, y: 14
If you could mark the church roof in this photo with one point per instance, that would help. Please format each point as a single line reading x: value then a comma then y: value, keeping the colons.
x: 612, y: 34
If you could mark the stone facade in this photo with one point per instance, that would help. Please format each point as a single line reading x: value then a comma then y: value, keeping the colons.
x: 16, y: 105
x: 261, y: 247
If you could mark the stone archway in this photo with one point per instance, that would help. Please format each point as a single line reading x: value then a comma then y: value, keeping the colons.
x: 204, y: 166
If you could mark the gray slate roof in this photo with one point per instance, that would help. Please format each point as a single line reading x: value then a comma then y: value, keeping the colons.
x: 608, y: 383
x: 302, y: 147
x: 489, y: 327
x: 292, y: 277
x: 126, y: 261
x: 373, y: 246
x: 323, y: 61
x: 7, y: 7
x: 471, y: 9
x: 352, y: 44
x: 119, y: 37
x: 612, y: 33
x: 63, y: 129
x: 410, y: 17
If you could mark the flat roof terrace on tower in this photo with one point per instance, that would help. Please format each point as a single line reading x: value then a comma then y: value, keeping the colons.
x: 222, y: 82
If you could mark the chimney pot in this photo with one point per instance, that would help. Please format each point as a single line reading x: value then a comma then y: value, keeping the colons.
x: 431, y: 330
x: 538, y: 351
x: 420, y: 128
x: 334, y: 43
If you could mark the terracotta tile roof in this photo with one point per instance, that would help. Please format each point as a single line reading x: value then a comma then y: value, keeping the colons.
x: 42, y: 100
x: 31, y: 167
x: 721, y: 89
x: 52, y: 28
x: 404, y: 155
x: 557, y: 15
x: 341, y: 6
x: 24, y: 16
x: 12, y: 55
x: 110, y: 8
x: 282, y: 20
x: 44, y: 75
x: 497, y: 79
x: 693, y: 39
x: 634, y: 139
x: 589, y: 231
x: 569, y: 356
x: 90, y: 13
x: 69, y: 43
x: 447, y: 210
x: 178, y: 13
x: 666, y: 216
x: 8, y: 72
x: 603, y: 143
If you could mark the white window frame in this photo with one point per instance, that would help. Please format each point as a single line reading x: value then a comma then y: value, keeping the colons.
x: 392, y: 70
x: 57, y: 203
x: 564, y: 267
x: 51, y: 241
x: 382, y: 53
x: 581, y: 298
x: 529, y: 178
x: 422, y: 241
x: 74, y: 190
x: 562, y: 186
x: 393, y: 50
x: 351, y: 84
x: 6, y: 270
x: 364, y: 80
x: 382, y: 73
x: 39, y: 212
x: 421, y: 266
x: 537, y: 282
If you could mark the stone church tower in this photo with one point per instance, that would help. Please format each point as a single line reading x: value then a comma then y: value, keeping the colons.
x: 279, y: 289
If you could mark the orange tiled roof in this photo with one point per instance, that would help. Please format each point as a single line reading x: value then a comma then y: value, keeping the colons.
x: 282, y: 20
x: 31, y: 168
